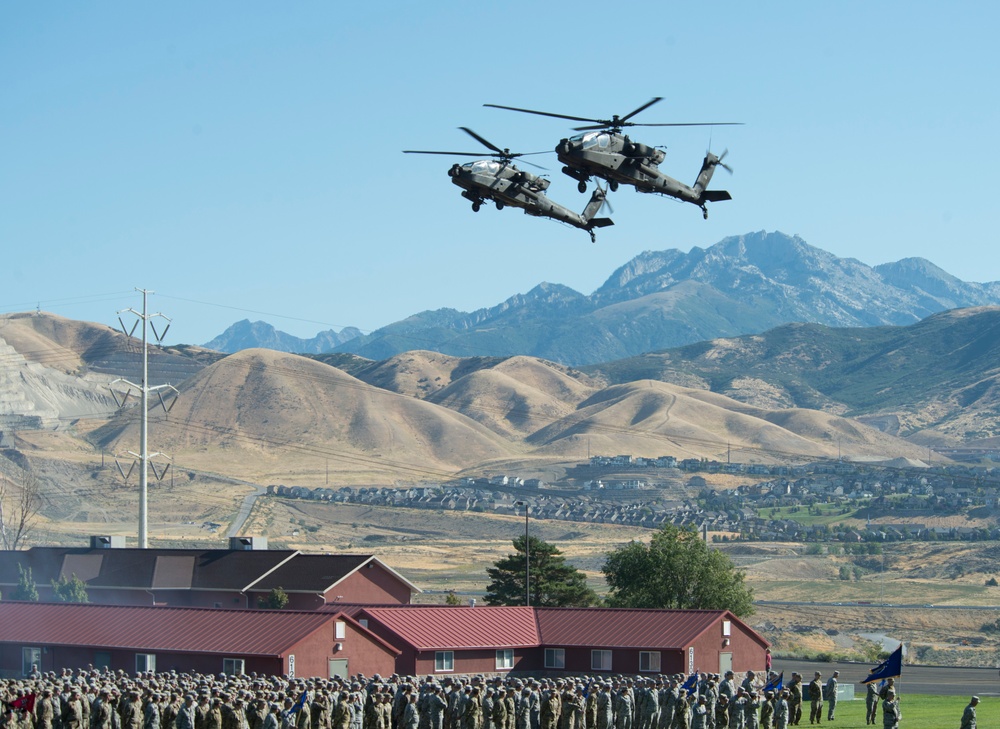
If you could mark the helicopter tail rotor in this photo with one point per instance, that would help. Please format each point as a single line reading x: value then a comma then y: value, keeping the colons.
x: 718, y: 161
x: 722, y: 164
x: 605, y: 203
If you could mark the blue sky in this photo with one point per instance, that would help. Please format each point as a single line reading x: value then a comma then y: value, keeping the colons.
x: 243, y: 160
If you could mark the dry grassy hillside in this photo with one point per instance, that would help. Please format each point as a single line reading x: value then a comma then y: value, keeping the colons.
x: 261, y: 411
x: 418, y: 373
x: 651, y: 417
x: 268, y: 417
x: 517, y: 397
x: 61, y: 344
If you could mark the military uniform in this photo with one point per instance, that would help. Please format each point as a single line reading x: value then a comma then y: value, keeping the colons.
x: 816, y: 700
x: 831, y: 696
x: 871, y: 703
x: 969, y: 715
x: 890, y: 712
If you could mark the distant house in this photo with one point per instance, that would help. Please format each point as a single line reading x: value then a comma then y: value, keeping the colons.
x: 134, y: 638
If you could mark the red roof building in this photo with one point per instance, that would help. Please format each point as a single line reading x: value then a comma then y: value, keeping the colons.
x: 438, y: 640
x: 132, y: 638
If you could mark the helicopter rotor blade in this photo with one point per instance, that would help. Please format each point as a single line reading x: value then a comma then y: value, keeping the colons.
x: 692, y: 124
x: 532, y: 164
x: 450, y: 154
x: 482, y: 141
x: 654, y: 100
x: 542, y: 113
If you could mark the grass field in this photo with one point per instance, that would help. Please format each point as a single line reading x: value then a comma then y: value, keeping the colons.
x: 920, y: 711
x: 827, y: 514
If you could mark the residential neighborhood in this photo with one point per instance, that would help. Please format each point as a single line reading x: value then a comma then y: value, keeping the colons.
x: 779, y: 502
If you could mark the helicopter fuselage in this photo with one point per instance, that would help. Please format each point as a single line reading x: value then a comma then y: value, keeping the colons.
x: 619, y: 160
x: 505, y: 185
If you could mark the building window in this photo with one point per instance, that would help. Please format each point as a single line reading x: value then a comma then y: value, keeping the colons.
x: 31, y: 660
x: 649, y: 661
x: 145, y: 662
x: 363, y: 622
x: 102, y: 659
x: 444, y: 661
x: 555, y: 658
x: 600, y: 660
x: 727, y: 628
x: 232, y: 666
x: 340, y: 630
x: 505, y: 659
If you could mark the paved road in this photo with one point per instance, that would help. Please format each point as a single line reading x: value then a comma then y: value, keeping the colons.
x: 940, y: 680
x: 869, y: 605
x: 237, y: 527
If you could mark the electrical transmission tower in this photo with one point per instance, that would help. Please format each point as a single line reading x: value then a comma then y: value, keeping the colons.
x: 147, y: 321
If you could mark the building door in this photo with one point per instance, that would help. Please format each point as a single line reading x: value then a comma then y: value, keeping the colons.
x: 31, y: 661
x: 725, y: 663
x: 338, y: 668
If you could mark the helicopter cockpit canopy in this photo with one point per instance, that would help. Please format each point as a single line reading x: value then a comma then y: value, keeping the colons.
x: 590, y: 140
x: 485, y: 167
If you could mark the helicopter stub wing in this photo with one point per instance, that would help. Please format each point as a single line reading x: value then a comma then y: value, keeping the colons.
x: 716, y: 195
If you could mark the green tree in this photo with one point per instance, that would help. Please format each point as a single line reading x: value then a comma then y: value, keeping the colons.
x: 553, y: 583
x: 70, y: 590
x: 452, y: 598
x: 26, y: 589
x: 276, y: 599
x: 676, y: 570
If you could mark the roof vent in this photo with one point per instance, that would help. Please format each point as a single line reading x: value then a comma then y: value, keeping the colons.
x: 107, y: 542
x: 247, y: 544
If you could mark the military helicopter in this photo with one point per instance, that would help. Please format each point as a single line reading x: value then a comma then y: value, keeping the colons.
x: 603, y: 151
x: 500, y: 181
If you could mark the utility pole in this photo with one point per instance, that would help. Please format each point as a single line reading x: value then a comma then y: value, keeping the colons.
x: 144, y: 389
x: 527, y: 556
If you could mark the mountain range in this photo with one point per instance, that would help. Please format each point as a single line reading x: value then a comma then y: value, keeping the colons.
x: 661, y: 299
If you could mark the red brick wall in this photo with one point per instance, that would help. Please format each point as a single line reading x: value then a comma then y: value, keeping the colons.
x: 748, y: 652
x: 372, y: 584
x: 363, y: 653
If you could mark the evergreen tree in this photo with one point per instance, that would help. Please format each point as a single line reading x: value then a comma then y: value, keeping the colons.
x: 676, y: 570
x: 553, y: 583
x: 276, y: 599
x: 26, y: 589
x: 70, y: 590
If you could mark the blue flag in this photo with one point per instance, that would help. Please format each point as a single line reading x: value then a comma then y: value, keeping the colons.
x: 691, y: 684
x: 776, y: 684
x: 891, y: 667
x: 298, y: 704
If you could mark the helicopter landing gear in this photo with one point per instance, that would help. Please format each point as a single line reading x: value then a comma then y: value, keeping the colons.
x: 581, y: 186
x: 704, y: 212
x: 476, y: 205
x: 613, y: 185
x: 499, y: 204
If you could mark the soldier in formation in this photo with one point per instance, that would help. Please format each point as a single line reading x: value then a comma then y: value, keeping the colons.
x: 871, y: 703
x: 890, y: 710
x: 816, y: 699
x: 112, y: 700
x: 831, y: 695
